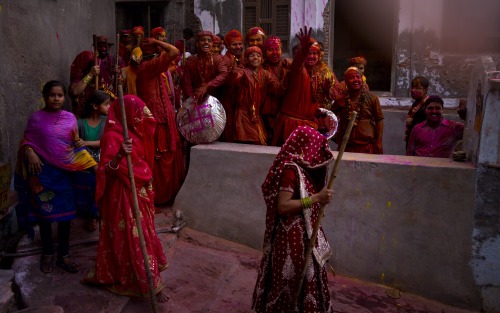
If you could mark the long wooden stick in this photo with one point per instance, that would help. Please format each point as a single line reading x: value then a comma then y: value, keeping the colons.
x: 96, y: 61
x: 137, y: 213
x: 117, y: 62
x: 314, y: 234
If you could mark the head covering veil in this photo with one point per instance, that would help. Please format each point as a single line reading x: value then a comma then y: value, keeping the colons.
x: 305, y: 150
x: 141, y: 125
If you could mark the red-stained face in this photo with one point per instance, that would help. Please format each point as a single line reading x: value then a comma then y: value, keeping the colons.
x: 353, y: 80
x: 255, y: 59
x: 256, y: 40
x: 205, y: 44
x: 55, y: 99
x: 236, y: 48
x: 312, y: 57
x: 418, y: 91
x: 273, y: 54
x: 217, y: 48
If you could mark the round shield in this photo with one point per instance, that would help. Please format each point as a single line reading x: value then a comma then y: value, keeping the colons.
x: 201, y: 122
x: 328, y: 121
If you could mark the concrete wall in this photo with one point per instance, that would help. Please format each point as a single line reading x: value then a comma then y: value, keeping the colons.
x: 39, y: 40
x: 422, y: 44
x: 403, y: 221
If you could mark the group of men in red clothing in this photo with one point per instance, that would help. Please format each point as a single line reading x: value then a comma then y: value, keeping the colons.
x: 265, y: 96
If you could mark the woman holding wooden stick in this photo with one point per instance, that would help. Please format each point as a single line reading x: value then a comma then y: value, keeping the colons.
x: 294, y: 191
x: 120, y: 266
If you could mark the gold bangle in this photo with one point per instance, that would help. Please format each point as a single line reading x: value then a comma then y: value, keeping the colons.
x: 87, y: 79
x: 27, y: 149
x: 113, y: 168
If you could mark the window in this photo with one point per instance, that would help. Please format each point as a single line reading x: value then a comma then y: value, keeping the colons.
x: 272, y: 16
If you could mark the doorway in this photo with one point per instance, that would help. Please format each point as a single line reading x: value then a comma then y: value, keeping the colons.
x: 365, y: 28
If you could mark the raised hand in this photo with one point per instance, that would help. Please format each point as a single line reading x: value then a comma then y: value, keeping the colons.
x: 305, y: 38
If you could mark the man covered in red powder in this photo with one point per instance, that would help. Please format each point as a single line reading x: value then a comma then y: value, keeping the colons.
x: 203, y: 72
x: 255, y: 36
x: 169, y: 167
x: 307, y: 89
x: 278, y: 67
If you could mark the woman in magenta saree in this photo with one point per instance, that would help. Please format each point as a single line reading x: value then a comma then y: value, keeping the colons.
x: 119, y: 264
x: 294, y: 191
x: 47, y: 159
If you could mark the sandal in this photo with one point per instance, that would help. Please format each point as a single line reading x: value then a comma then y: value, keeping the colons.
x: 47, y: 264
x: 66, y: 264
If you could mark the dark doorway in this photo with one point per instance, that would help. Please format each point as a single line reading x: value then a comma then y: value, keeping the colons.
x: 365, y: 28
x: 147, y: 15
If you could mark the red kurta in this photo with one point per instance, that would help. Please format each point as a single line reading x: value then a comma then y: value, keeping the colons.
x: 305, y: 94
x: 253, y: 88
x: 169, y: 169
x: 272, y: 103
x: 228, y: 95
x: 210, y: 70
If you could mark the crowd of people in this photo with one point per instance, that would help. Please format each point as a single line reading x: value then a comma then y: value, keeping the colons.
x: 75, y: 163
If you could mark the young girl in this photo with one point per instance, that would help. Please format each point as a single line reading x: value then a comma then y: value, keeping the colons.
x: 47, y: 158
x: 90, y: 129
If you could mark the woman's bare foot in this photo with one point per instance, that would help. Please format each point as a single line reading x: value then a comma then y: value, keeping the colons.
x: 162, y: 297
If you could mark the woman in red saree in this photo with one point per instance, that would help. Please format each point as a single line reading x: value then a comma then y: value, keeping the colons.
x: 294, y: 191
x: 119, y: 264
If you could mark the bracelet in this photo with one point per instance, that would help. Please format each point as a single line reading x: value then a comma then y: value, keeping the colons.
x: 113, y: 168
x: 306, y: 202
x: 27, y: 149
x: 87, y: 79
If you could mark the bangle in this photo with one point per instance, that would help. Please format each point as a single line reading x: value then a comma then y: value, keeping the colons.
x: 87, y: 79
x: 27, y: 149
x: 113, y: 168
x: 306, y: 202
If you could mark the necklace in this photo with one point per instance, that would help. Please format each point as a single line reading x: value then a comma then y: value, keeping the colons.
x: 354, y: 105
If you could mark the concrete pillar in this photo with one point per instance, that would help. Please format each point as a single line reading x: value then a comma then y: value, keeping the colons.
x: 483, y: 146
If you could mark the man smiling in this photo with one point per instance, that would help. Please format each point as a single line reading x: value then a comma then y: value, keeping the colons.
x: 436, y: 136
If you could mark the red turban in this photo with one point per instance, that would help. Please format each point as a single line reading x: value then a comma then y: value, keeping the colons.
x: 255, y: 31
x: 232, y: 36
x: 315, y: 46
x: 272, y: 42
x: 125, y: 32
x: 103, y: 39
x: 138, y: 30
x: 216, y: 40
x: 251, y: 50
x: 357, y: 60
x: 204, y: 33
x: 158, y: 31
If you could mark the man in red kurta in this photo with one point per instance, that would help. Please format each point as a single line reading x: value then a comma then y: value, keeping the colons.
x: 278, y: 68
x: 203, y: 72
x: 234, y: 55
x: 169, y: 168
x: 305, y: 92
x: 254, y: 83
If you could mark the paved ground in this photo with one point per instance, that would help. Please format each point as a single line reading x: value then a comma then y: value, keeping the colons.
x: 206, y: 274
